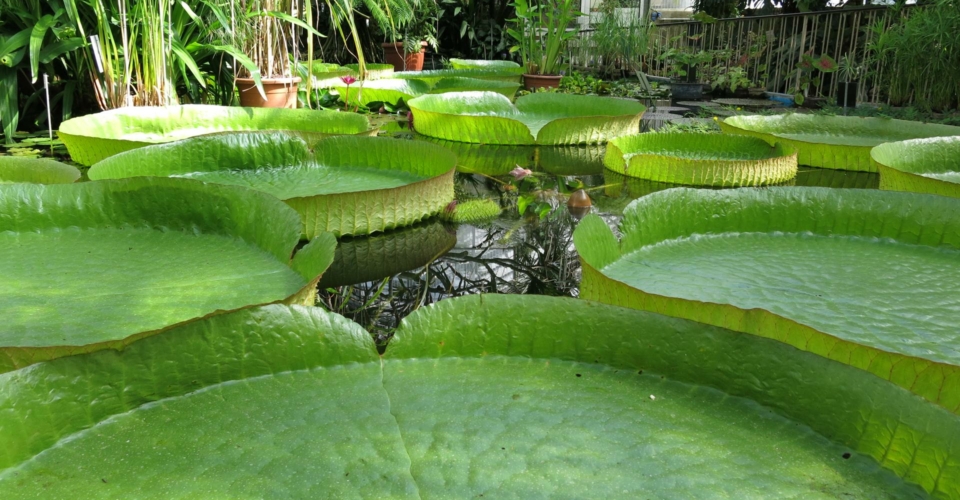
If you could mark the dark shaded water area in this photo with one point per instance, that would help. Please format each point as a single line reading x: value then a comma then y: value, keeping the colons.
x: 377, y: 280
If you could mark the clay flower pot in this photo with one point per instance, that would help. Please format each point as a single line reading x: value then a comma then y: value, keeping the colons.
x: 393, y: 53
x: 533, y: 82
x: 281, y: 92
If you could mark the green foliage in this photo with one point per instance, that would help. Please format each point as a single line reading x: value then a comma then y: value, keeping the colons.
x: 472, y: 211
x: 920, y: 165
x: 921, y: 55
x: 701, y: 159
x: 129, y: 235
x: 541, y: 118
x: 37, y: 37
x: 92, y: 138
x: 36, y: 170
x: 841, y: 142
x: 576, y: 403
x: 773, y: 262
x: 540, y: 31
x: 341, y: 185
x: 618, y: 47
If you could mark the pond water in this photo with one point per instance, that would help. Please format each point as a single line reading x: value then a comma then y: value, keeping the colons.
x: 378, y: 280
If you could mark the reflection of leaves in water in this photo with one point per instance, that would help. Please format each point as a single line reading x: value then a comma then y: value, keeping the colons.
x: 532, y: 257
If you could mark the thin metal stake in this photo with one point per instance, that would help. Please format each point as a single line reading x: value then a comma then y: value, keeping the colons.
x: 46, y: 85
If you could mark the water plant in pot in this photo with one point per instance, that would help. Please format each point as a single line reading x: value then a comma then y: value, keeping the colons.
x: 807, y: 73
x: 541, y: 32
x: 265, y: 30
x: 411, y: 35
x: 682, y: 68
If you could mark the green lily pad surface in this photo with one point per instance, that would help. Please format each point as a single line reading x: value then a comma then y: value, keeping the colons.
x: 36, y: 170
x: 512, y: 74
x: 869, y: 277
x: 841, y: 142
x: 377, y: 256
x: 483, y: 396
x: 543, y: 118
x: 343, y: 185
x: 98, y: 264
x: 920, y: 165
x: 701, y: 159
x: 483, y: 64
x: 92, y: 138
x: 395, y: 90
x: 496, y: 160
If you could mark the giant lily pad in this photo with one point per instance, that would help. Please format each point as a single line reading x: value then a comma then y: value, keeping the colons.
x: 504, y: 74
x: 492, y: 396
x: 395, y: 90
x: 343, y: 185
x: 701, y: 159
x: 841, y: 142
x: 36, y: 170
x: 871, y: 278
x: 920, y: 165
x: 368, y: 258
x: 96, y: 265
x: 498, y: 160
x: 543, y: 118
x: 485, y: 65
x: 829, y: 177
x: 92, y: 138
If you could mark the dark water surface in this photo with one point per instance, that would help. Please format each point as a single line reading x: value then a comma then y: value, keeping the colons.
x: 377, y: 280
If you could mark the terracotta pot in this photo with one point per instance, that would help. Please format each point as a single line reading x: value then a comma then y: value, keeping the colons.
x: 532, y: 82
x: 394, y: 54
x: 281, y: 92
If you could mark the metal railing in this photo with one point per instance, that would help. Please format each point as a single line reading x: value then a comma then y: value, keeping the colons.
x: 769, y: 48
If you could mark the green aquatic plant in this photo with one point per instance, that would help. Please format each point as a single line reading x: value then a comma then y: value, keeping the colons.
x: 472, y: 211
x: 395, y: 91
x: 920, y: 165
x: 841, y: 142
x: 36, y: 170
x: 542, y: 118
x: 494, y: 395
x: 342, y: 185
x: 92, y: 138
x: 816, y: 268
x: 701, y: 159
x: 485, y: 65
x: 96, y: 265
x: 506, y: 74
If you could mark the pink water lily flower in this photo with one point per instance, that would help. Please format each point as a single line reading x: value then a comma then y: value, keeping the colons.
x: 519, y: 173
x: 348, y: 80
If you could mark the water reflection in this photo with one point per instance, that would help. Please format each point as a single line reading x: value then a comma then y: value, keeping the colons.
x: 379, y: 280
x: 498, y: 160
x: 375, y: 257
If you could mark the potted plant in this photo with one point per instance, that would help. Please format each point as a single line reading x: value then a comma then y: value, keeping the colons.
x: 683, y: 64
x: 808, y: 72
x: 411, y: 37
x: 849, y: 74
x: 263, y: 30
x: 541, y: 34
x: 731, y: 81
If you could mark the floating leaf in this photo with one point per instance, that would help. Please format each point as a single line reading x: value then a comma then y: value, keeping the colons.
x: 920, y: 165
x: 342, y: 185
x: 92, y: 138
x: 95, y: 265
x: 841, y: 142
x: 865, y: 277
x: 497, y: 395
x: 701, y: 159
x: 542, y: 118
